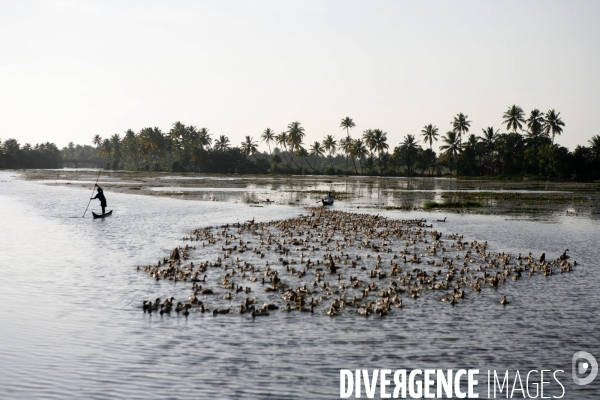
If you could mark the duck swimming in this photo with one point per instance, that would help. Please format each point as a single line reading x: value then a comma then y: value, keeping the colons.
x: 318, y: 257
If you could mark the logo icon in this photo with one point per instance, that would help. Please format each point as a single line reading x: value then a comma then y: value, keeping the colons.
x: 582, y: 363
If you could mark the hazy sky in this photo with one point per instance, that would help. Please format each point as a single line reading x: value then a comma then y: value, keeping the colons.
x: 71, y: 69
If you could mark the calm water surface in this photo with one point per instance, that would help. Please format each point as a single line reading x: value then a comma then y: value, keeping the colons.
x: 71, y: 324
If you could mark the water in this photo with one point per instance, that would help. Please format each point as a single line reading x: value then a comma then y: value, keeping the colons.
x: 72, y: 325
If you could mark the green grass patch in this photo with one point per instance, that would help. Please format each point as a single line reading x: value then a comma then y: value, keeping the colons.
x: 428, y: 205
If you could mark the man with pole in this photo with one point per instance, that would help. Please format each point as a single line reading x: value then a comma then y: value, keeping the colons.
x: 100, y: 196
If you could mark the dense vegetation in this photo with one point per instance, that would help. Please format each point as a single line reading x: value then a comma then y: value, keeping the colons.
x: 526, y: 148
x: 43, y: 155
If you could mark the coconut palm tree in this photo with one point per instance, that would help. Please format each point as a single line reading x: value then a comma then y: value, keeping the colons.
x: 295, y: 136
x: 359, y: 150
x: 115, y: 144
x: 249, y: 146
x: 105, y: 149
x: 347, y: 123
x: 369, y: 139
x: 380, y: 145
x: 177, y: 136
x: 97, y: 140
x: 222, y: 143
x: 330, y: 145
x: 409, y: 150
x: 130, y: 143
x: 345, y: 146
x: 514, y: 118
x: 268, y: 136
x: 303, y: 153
x: 380, y: 139
x: 282, y: 140
x: 535, y: 132
x: 451, y: 147
x: 316, y: 150
x: 595, y: 147
x: 429, y: 133
x: 536, y: 121
x: 204, y: 139
x: 460, y: 125
x: 488, y: 142
x: 153, y: 142
x: 553, y: 124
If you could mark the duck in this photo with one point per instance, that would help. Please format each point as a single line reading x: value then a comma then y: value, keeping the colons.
x: 504, y: 301
x: 186, y: 310
x: 259, y: 312
x: 221, y: 311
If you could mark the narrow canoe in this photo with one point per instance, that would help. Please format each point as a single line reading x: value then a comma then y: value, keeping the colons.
x: 108, y: 214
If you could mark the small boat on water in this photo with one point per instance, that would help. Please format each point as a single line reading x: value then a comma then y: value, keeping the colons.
x: 327, y: 203
x: 108, y: 214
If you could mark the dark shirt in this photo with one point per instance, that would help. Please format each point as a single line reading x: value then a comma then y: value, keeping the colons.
x: 100, y: 196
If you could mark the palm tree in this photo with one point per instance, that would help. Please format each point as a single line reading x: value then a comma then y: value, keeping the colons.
x: 380, y: 138
x: 249, y: 146
x: 222, y: 143
x: 451, y: 147
x: 130, y: 146
x: 595, y: 147
x: 282, y: 140
x: 514, y: 118
x: 460, y: 125
x: 115, y: 144
x: 295, y: 136
x: 553, y: 124
x: 302, y: 153
x: 177, y: 135
x: 97, y: 140
x: 330, y: 145
x: 204, y: 139
x: 429, y: 133
x: 380, y: 143
x: 409, y: 150
x: 105, y: 149
x: 268, y: 136
x: 153, y: 142
x: 535, y: 133
x: 536, y: 121
x: 359, y: 150
x: 348, y: 123
x: 369, y: 138
x: 316, y: 150
x: 345, y: 145
x: 489, y: 142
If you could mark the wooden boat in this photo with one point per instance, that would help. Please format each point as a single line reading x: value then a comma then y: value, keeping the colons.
x: 108, y: 214
x: 327, y: 203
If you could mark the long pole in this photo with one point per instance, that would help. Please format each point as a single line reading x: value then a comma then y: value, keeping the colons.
x: 93, y: 189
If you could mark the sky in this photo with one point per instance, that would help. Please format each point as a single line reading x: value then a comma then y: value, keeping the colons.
x: 73, y: 69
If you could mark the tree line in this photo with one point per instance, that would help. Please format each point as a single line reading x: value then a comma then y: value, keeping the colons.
x: 526, y: 147
x: 42, y: 155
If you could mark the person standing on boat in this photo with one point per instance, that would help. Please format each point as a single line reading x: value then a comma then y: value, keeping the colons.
x: 100, y: 196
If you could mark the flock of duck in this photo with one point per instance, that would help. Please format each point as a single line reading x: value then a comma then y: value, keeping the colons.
x: 333, y: 262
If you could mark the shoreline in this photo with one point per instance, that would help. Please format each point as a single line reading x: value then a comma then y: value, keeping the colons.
x: 450, y: 195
